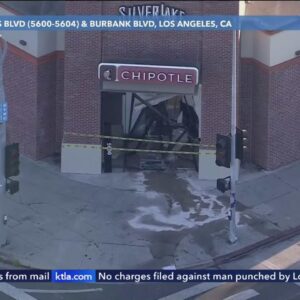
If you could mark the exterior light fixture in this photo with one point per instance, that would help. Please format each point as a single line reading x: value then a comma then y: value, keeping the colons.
x: 22, y: 42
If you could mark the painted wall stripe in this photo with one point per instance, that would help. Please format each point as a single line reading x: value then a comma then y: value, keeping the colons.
x: 275, y: 68
x: 9, y: 9
x: 58, y: 54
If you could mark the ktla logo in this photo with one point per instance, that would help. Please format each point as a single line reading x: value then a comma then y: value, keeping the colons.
x: 108, y: 73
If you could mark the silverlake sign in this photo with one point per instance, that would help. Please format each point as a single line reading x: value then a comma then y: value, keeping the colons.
x: 150, y: 10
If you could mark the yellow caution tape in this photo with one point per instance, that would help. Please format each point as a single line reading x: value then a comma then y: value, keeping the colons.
x: 110, y: 148
x: 135, y: 139
x: 157, y: 151
x: 64, y: 145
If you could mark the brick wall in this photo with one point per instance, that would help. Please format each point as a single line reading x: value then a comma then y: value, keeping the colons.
x: 47, y: 96
x: 209, y: 51
x: 49, y: 104
x: 284, y: 112
x: 35, y: 96
x: 20, y: 83
x: 83, y: 51
x: 254, y: 109
x: 153, y: 47
x: 246, y: 103
x: 59, y: 102
x: 260, y: 112
x: 216, y: 74
x: 46, y: 103
x: 270, y: 110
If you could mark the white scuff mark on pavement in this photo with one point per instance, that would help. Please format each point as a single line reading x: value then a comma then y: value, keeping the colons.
x: 193, y: 182
x: 13, y: 292
x: 157, y: 219
x: 171, y: 267
x: 195, y: 189
x: 140, y: 187
x: 177, y: 221
x: 154, y: 219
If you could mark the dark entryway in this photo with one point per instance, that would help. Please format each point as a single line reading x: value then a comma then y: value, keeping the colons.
x: 147, y: 117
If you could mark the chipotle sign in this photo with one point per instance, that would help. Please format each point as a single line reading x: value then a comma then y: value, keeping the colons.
x: 186, y: 76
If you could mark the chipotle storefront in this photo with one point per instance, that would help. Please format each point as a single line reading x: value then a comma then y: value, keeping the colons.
x: 141, y: 84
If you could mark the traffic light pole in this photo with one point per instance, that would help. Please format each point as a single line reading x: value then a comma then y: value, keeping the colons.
x: 3, y: 217
x: 234, y: 163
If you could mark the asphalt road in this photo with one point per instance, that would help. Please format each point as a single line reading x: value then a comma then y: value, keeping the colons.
x: 253, y: 291
x: 50, y: 291
x: 240, y: 291
x: 283, y: 255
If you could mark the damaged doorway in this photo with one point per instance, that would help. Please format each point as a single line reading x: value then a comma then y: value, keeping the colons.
x: 143, y: 117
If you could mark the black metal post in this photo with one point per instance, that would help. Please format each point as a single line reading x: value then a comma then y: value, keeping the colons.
x: 107, y: 153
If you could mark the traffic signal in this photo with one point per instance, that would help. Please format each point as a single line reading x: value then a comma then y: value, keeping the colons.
x: 12, y: 160
x: 224, y: 184
x: 241, y: 143
x: 223, y: 151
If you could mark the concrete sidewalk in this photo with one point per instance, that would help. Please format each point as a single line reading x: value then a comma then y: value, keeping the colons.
x: 140, y: 220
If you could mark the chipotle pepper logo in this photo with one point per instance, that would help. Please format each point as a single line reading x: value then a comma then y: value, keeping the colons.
x: 107, y: 72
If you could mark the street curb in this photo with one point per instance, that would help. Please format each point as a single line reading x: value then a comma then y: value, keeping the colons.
x: 14, y: 263
x: 232, y: 256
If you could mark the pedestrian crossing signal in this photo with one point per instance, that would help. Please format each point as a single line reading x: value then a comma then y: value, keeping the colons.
x: 223, y: 151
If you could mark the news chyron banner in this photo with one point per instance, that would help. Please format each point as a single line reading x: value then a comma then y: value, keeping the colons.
x: 125, y: 22
x: 148, y: 276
